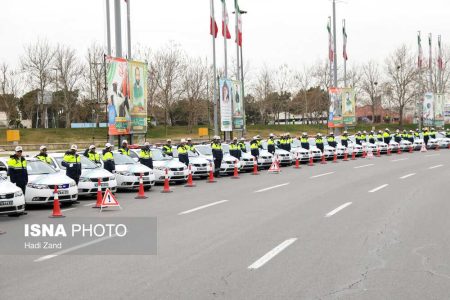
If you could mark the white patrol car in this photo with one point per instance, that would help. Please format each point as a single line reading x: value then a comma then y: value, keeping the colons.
x: 12, y: 200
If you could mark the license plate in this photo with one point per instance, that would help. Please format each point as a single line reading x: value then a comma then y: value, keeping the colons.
x: 145, y: 178
x: 178, y: 173
x: 103, y: 184
x: 268, y: 160
x: 201, y: 169
x: 231, y: 166
x: 63, y: 192
x: 6, y: 203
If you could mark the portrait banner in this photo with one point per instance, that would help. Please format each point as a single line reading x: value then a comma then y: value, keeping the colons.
x: 428, y: 109
x: 138, y: 96
x: 335, y: 111
x: 349, y: 106
x: 226, y: 114
x: 439, y: 110
x: 238, y: 108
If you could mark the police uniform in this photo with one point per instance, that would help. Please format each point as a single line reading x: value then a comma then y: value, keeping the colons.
x: 242, y: 146
x: 254, y: 148
x: 92, y: 156
x: 44, y: 157
x: 331, y: 140
x: 167, y: 149
x: 319, y: 143
x: 108, y: 160
x: 344, y: 140
x: 217, y: 156
x: 183, y: 155
x: 271, y: 145
x: 124, y: 151
x: 304, y: 142
x: 386, y: 137
x: 234, y: 150
x: 371, y: 137
x: 145, y: 157
x: 72, y: 163
x: 17, y: 171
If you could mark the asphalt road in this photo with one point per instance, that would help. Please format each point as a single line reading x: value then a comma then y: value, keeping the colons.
x: 364, y: 229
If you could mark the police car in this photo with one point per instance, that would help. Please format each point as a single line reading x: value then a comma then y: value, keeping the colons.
x: 265, y: 158
x: 417, y: 144
x: 405, y: 145
x: 128, y: 173
x: 42, y: 179
x: 228, y: 161
x: 284, y: 157
x: 298, y: 151
x: 355, y: 148
x: 246, y: 160
x: 90, y: 174
x: 12, y: 200
x: 200, y: 166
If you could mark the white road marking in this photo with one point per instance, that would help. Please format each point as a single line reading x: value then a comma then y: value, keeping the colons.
x: 400, y: 159
x: 434, y: 167
x: 271, y: 254
x: 321, y: 175
x: 408, y: 175
x: 90, y: 204
x: 68, y: 250
x: 378, y: 188
x: 336, y: 210
x: 202, y: 207
x: 364, y: 166
x: 67, y: 209
x: 430, y: 155
x: 272, y: 187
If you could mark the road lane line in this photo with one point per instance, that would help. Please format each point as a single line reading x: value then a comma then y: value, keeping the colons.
x: 364, y: 166
x: 378, y: 188
x: 68, y: 250
x: 271, y: 254
x: 336, y: 210
x: 430, y: 155
x: 272, y: 187
x: 408, y: 175
x: 67, y: 209
x: 201, y: 207
x: 434, y: 167
x: 90, y: 204
x: 321, y: 175
x: 400, y: 159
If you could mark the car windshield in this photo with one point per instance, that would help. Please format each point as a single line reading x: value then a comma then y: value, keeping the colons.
x: 85, y: 163
x: 296, y: 143
x: 158, y: 155
x: 190, y: 153
x: 204, y: 149
x: 226, y: 148
x: 120, y: 159
x: 37, y: 167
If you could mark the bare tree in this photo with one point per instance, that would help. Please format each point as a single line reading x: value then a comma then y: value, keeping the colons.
x: 370, y: 84
x: 37, y: 64
x: 263, y: 88
x: 9, y: 88
x: 401, y: 73
x: 70, y: 72
x: 303, y: 81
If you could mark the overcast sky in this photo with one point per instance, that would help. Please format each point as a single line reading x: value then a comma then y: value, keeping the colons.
x: 275, y: 31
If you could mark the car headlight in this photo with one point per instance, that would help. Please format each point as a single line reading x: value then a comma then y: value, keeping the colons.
x: 112, y: 177
x: 38, y: 186
x: 84, y: 179
x: 18, y: 194
x: 72, y: 184
x: 125, y: 173
x: 160, y: 168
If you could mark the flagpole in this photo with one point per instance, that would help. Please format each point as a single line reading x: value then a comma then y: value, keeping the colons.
x: 334, y: 41
x: 236, y: 9
x: 128, y: 29
x: 108, y: 29
x: 242, y: 79
x: 345, y: 58
x: 213, y: 24
x: 225, y: 36
x: 419, y: 64
x: 118, y: 27
x: 439, y: 83
x: 430, y: 63
x: 330, y: 55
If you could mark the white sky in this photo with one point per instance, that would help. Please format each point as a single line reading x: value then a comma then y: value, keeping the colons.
x: 275, y: 31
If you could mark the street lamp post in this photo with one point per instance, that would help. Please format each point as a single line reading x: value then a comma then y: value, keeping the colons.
x: 242, y: 12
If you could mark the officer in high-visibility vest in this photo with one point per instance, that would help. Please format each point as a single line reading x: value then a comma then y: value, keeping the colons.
x: 304, y: 141
x: 258, y: 138
x: 387, y: 136
x: 234, y: 149
x: 145, y: 156
x: 282, y: 142
x: 72, y: 163
x: 371, y: 137
x: 319, y: 142
x: 242, y: 145
x: 364, y: 137
x: 344, y: 139
x: 108, y: 158
x: 411, y: 136
x: 380, y: 136
x: 426, y: 136
x: 183, y: 154
x: 167, y: 148
x: 358, y: 138
x: 124, y: 149
x: 271, y: 144
x: 433, y: 133
x: 43, y: 156
x: 92, y: 155
x: 404, y: 135
x: 288, y: 142
x: 17, y: 169
x: 331, y: 140
x: 417, y: 134
x: 189, y: 145
x: 447, y: 133
x: 254, y: 147
x: 217, y: 153
x: 398, y: 136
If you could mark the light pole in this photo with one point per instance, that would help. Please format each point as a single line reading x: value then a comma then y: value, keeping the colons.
x: 242, y: 12
x: 56, y: 90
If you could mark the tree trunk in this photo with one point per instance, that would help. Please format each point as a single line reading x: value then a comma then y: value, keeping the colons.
x: 68, y: 119
x: 400, y: 118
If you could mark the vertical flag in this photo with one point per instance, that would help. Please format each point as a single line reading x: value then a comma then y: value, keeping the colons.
x: 420, y: 56
x: 225, y: 31
x: 239, y: 37
x: 213, y: 29
x: 440, y: 61
x: 330, y: 42
x: 430, y: 58
x: 344, y: 34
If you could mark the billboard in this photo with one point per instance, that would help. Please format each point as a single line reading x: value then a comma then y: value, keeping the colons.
x: 447, y: 109
x: 137, y: 72
x: 348, y: 106
x: 335, y: 111
x: 428, y: 109
x: 238, y: 108
x: 439, y: 110
x: 119, y: 118
x: 226, y: 114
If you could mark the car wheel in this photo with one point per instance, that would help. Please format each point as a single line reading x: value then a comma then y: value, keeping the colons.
x: 16, y: 215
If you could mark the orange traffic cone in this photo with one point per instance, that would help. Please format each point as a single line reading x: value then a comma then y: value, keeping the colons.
x: 98, y: 204
x: 389, y: 151
x: 411, y: 149
x: 255, y: 167
x: 235, y: 172
x: 378, y: 152
x: 56, y: 208
x: 297, y: 162
x: 311, y: 161
x: 448, y: 147
x: 437, y: 147
x: 345, y: 155
x: 190, y: 181
x: 423, y: 148
x: 364, y: 154
x: 211, y: 174
x: 166, y: 188
x: 335, y: 157
x: 141, y: 193
x: 399, y: 149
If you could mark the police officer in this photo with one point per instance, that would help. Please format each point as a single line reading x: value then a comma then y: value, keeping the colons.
x: 398, y: 136
x: 288, y: 142
x: 145, y: 156
x: 411, y: 136
x: 17, y: 169
x: 43, y: 156
x: 92, y: 155
x: 331, y: 140
x: 426, y: 136
x: 271, y: 144
x: 258, y: 138
x: 189, y: 145
x: 242, y: 145
x: 371, y: 137
x: 304, y: 141
x: 417, y: 134
x: 167, y: 148
x: 183, y: 154
x: 358, y: 138
x: 447, y: 133
x: 387, y: 136
x: 124, y: 149
x: 217, y: 152
x: 234, y: 149
x: 433, y: 133
x: 72, y: 163
x: 380, y: 136
x: 254, y: 147
x: 364, y: 137
x: 319, y: 142
x: 344, y: 139
x: 282, y: 142
x: 108, y: 158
